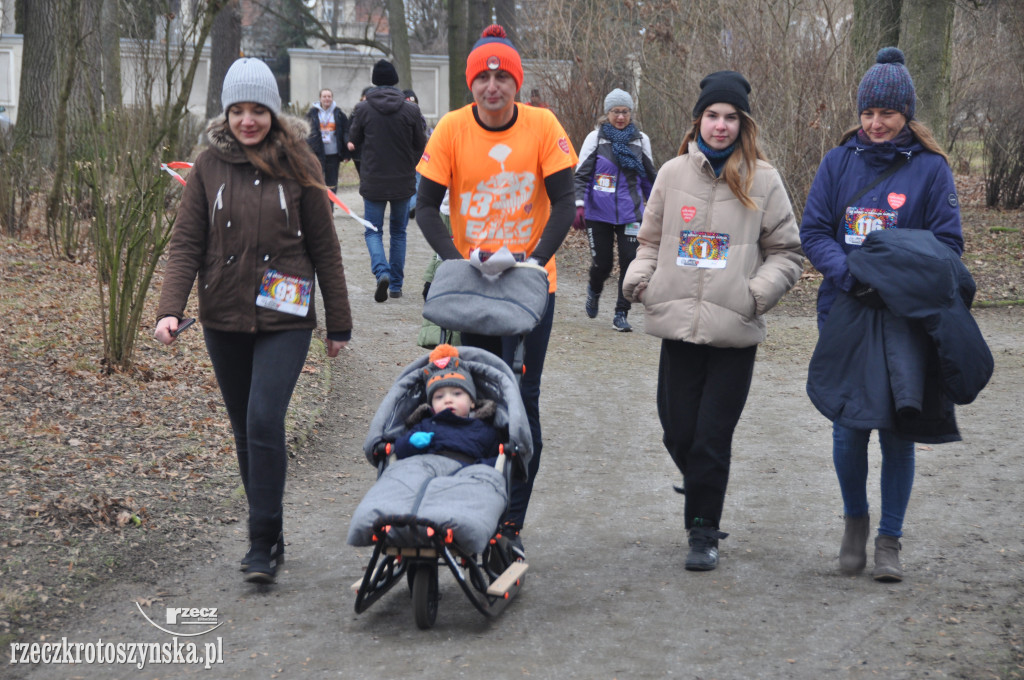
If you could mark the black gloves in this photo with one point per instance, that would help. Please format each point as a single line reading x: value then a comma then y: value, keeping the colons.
x: 867, y: 295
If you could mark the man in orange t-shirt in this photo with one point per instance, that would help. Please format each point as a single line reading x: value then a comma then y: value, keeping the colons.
x: 509, y: 172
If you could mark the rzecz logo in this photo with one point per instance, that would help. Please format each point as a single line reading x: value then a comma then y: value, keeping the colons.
x: 187, y: 616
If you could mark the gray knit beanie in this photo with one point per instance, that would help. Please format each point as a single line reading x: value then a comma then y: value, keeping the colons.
x: 250, y: 80
x: 887, y: 84
x: 618, y: 97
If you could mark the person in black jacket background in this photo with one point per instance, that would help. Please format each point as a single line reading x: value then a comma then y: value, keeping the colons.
x: 328, y: 136
x: 389, y: 135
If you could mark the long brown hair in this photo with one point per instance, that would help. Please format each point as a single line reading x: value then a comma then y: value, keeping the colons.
x: 283, y: 153
x: 742, y: 163
x: 921, y: 132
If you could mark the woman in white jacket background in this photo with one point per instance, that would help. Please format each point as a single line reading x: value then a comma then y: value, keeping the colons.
x: 719, y: 247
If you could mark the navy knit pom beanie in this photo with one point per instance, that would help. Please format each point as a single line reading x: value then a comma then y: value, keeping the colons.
x: 888, y: 85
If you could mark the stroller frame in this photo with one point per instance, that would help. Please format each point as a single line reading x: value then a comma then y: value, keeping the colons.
x: 461, y: 298
x: 416, y: 548
x: 488, y: 590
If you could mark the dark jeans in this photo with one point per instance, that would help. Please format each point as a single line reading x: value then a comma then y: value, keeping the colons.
x: 536, y: 348
x: 701, y: 393
x: 602, y: 237
x: 330, y: 165
x: 257, y: 373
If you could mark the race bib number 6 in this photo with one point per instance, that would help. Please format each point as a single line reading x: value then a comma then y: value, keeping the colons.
x: 288, y: 294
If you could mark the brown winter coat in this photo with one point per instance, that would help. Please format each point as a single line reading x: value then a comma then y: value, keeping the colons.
x: 718, y: 307
x: 234, y: 223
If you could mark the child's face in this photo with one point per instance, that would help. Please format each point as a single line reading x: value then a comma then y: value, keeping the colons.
x: 455, y: 398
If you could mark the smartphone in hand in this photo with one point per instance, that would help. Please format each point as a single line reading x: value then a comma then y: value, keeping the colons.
x: 185, y: 323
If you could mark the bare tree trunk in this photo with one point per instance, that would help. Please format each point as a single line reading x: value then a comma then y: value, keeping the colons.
x: 876, y: 24
x: 37, y: 99
x: 479, y: 19
x: 110, y: 37
x: 926, y: 37
x: 226, y: 44
x: 82, y: 50
x: 399, y: 42
x: 505, y: 13
x: 458, y: 50
x: 334, y: 23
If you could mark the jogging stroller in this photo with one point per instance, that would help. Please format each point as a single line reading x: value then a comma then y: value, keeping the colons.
x: 453, y: 520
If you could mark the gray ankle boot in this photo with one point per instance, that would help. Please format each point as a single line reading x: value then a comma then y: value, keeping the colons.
x: 853, y: 554
x: 887, y: 559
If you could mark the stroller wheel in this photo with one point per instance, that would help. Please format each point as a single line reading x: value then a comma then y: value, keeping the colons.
x: 425, y: 596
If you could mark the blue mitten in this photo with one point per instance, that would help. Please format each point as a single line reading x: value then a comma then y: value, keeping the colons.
x: 421, y: 440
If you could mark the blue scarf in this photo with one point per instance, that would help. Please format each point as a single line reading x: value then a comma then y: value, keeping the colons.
x: 716, y: 158
x: 625, y: 157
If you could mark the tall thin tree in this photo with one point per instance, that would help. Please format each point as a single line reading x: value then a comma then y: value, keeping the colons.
x: 926, y: 37
x: 226, y: 45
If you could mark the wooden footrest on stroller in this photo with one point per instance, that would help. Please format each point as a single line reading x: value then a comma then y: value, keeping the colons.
x: 508, y: 578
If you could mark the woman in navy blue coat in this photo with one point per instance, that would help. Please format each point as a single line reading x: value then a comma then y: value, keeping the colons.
x: 917, y: 192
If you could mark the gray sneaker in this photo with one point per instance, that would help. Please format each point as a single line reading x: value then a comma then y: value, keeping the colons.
x: 703, y: 554
x: 620, y: 324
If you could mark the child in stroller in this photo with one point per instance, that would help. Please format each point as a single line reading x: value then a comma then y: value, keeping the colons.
x: 442, y: 439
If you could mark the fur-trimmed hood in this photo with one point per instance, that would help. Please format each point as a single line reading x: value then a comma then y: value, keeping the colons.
x: 220, y: 138
x: 485, y: 410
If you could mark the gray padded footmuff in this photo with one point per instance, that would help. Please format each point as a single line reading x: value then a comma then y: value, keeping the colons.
x: 467, y: 499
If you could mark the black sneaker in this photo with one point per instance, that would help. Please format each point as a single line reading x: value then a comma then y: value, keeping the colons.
x: 590, y: 307
x: 262, y: 567
x: 381, y: 294
x: 506, y: 547
x: 277, y: 551
x: 620, y: 324
x: 395, y: 293
x: 703, y: 555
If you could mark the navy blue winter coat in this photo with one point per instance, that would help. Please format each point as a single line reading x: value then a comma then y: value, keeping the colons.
x: 902, y: 368
x: 471, y: 439
x: 920, y: 195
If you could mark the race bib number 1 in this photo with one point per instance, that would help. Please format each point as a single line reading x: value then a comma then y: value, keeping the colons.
x: 703, y: 249
x: 288, y: 294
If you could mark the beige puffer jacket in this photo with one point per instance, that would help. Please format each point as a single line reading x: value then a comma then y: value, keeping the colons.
x: 723, y: 307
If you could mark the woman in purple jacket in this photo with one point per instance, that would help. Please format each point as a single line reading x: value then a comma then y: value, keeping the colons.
x: 613, y: 182
x: 886, y: 173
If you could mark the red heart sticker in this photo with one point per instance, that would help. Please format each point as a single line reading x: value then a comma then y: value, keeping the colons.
x: 688, y: 212
x: 896, y: 200
x: 442, y: 362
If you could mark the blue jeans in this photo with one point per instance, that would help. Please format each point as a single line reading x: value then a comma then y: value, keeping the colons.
x: 850, y: 457
x: 373, y: 211
x: 257, y: 373
x: 536, y: 349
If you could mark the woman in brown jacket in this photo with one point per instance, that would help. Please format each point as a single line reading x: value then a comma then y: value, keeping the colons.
x: 255, y: 225
x: 719, y: 247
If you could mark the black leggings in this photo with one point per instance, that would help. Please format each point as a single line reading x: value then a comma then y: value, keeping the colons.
x: 257, y: 373
x: 701, y: 393
x: 602, y: 237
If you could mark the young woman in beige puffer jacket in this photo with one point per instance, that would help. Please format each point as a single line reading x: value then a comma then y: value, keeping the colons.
x: 719, y: 247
